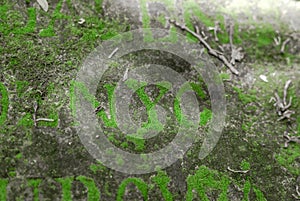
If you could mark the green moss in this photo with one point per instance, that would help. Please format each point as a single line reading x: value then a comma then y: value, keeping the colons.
x: 295, y: 99
x: 31, y: 24
x: 21, y: 86
x: 112, y: 138
x: 26, y: 121
x: 97, y: 167
x: 107, y: 189
x: 192, y: 9
x: 98, y: 5
x: 4, y: 103
x: 53, y: 114
x: 93, y: 192
x: 245, y: 165
x: 198, y: 89
x: 110, y: 122
x: 3, y: 185
x: 205, y: 116
x: 92, y: 35
x: 3, y: 16
x: 140, y: 184
x: 153, y: 123
x: 34, y: 183
x: 259, y: 195
x: 49, y: 31
x: 12, y: 174
x: 111, y: 99
x: 162, y: 180
x: 124, y: 145
x: 95, y: 29
x: 88, y: 35
x: 244, y: 127
x: 205, y: 180
x: 177, y: 109
x: 139, y: 143
x: 245, y: 98
x: 298, y: 123
x: 66, y: 185
x: 19, y: 156
x: 247, y: 189
x: 287, y: 158
x: 10, y: 16
x: 261, y: 40
x: 162, y: 19
x: 224, y: 76
x: 247, y: 124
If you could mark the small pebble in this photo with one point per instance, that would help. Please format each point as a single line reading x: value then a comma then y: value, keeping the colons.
x: 263, y: 78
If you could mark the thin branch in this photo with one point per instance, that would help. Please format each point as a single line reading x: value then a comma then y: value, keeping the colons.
x: 35, y: 108
x: 278, y: 101
x: 35, y: 119
x: 277, y: 40
x: 44, y: 119
x: 289, y: 139
x: 298, y: 193
x: 207, y: 46
x: 97, y: 109
x: 216, y: 29
x: 286, y: 86
x: 197, y: 29
x: 237, y: 171
x: 286, y: 114
x: 113, y: 52
x: 284, y: 44
x: 203, y: 34
x: 125, y: 75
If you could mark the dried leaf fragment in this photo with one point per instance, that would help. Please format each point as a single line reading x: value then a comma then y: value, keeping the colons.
x: 43, y: 4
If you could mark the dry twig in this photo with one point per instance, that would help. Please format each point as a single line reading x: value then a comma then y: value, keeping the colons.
x: 284, y: 44
x: 281, y: 104
x: 237, y: 171
x: 113, y: 53
x: 197, y: 29
x: 236, y: 54
x: 286, y: 86
x: 282, y: 109
x: 35, y: 108
x: 35, y: 120
x: 289, y: 139
x: 97, y: 109
x: 211, y: 51
x: 203, y: 34
x: 216, y: 29
x: 125, y: 76
x: 277, y: 40
x: 44, y: 119
x: 298, y: 193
